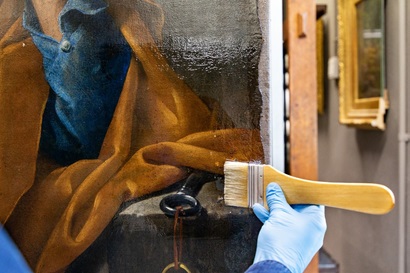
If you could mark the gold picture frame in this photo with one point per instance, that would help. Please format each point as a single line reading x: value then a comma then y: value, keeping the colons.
x: 320, y: 36
x: 362, y: 95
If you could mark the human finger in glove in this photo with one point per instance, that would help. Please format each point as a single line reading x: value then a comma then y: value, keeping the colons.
x: 290, y: 235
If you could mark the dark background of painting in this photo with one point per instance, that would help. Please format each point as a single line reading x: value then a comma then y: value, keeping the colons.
x: 214, y: 46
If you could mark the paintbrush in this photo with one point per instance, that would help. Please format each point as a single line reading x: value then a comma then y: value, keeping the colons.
x: 245, y: 185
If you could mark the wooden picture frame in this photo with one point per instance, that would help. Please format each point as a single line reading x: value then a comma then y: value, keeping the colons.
x: 362, y: 96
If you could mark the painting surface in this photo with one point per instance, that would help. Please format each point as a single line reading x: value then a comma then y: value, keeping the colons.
x: 123, y: 99
x: 370, y: 49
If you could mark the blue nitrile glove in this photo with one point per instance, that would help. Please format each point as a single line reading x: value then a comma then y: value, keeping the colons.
x: 11, y: 260
x: 290, y: 235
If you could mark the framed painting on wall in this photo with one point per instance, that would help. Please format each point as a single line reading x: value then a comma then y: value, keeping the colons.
x: 363, y: 98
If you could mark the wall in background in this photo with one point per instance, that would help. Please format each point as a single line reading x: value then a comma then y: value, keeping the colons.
x: 361, y: 243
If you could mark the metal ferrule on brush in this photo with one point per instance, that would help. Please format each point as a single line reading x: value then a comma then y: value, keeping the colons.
x: 255, y: 184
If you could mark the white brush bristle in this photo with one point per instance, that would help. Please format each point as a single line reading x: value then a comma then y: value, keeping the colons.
x: 236, y: 184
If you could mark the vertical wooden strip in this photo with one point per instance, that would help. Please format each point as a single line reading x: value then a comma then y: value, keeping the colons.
x: 303, y: 95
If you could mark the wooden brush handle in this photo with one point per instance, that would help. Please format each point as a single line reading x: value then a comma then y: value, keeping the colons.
x: 361, y: 197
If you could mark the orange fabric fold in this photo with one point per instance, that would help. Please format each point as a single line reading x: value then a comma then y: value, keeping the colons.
x: 159, y: 129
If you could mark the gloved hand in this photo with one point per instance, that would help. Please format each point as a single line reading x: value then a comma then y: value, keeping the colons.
x: 289, y: 235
